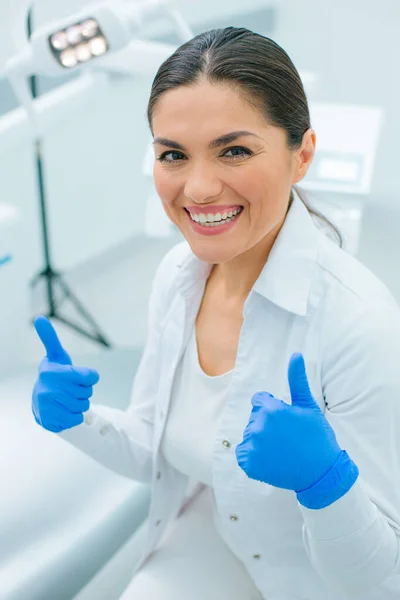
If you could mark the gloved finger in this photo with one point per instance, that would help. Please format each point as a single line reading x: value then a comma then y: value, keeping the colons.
x: 85, y: 376
x: 69, y: 374
x: 82, y: 392
x: 73, y: 405
x: 62, y: 382
x: 59, y: 419
x: 49, y: 338
x: 61, y: 400
x: 298, y: 382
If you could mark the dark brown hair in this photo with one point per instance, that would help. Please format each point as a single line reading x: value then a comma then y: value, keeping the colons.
x: 257, y: 68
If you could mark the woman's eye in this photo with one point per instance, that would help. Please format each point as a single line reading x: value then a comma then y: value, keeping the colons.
x: 244, y: 152
x: 162, y: 157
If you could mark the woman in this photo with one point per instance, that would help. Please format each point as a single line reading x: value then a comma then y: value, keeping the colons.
x: 270, y: 372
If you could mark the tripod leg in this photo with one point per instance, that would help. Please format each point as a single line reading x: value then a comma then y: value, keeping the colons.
x: 95, y: 337
x: 49, y: 276
x: 99, y: 336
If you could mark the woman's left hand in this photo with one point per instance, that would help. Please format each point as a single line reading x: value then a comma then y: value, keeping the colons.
x: 288, y: 446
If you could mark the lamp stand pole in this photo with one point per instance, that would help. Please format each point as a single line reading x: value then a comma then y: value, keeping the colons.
x: 54, y: 279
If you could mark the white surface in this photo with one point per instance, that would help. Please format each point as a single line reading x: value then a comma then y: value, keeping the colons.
x: 110, y: 582
x: 62, y: 515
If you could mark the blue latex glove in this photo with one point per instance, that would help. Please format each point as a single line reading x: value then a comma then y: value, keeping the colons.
x: 61, y: 393
x: 293, y: 446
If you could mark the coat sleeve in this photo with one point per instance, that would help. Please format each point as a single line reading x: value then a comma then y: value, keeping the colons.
x: 354, y: 543
x: 121, y: 440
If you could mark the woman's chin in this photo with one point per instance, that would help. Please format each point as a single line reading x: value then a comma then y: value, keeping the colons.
x: 210, y: 255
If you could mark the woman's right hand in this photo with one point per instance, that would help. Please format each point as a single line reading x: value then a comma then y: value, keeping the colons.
x: 61, y: 393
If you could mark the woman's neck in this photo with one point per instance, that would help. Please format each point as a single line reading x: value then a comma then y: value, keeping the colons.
x: 233, y: 280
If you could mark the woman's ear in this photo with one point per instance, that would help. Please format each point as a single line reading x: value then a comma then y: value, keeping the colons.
x: 303, y: 157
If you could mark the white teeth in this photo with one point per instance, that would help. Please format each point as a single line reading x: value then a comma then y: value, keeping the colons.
x: 218, y: 218
x: 211, y: 218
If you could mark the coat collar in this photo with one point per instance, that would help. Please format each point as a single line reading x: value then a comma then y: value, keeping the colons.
x: 287, y: 275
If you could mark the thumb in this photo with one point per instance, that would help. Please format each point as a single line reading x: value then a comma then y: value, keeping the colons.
x: 49, y: 339
x: 298, y: 382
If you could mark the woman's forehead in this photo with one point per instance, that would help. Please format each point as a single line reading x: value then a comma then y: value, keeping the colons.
x: 207, y: 113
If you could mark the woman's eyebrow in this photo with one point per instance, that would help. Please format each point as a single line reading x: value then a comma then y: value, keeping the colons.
x: 220, y: 141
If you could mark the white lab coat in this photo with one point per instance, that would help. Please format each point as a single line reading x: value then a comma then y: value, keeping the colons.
x: 310, y: 297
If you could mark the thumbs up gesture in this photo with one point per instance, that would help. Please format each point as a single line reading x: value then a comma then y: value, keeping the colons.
x: 61, y: 393
x: 290, y: 447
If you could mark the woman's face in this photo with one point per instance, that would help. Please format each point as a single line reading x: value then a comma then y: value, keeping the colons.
x: 254, y: 172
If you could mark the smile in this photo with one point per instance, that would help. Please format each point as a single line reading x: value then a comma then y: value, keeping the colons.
x: 214, y: 224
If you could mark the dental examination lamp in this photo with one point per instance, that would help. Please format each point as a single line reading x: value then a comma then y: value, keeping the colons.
x: 87, y: 41
x: 92, y: 42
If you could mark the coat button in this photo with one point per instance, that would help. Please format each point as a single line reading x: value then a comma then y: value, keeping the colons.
x: 158, y: 475
x: 88, y: 419
x: 233, y: 518
x: 256, y: 555
x: 104, y: 430
x: 226, y: 443
x: 158, y: 522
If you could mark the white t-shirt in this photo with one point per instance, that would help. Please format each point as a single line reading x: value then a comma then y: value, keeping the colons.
x: 197, y: 403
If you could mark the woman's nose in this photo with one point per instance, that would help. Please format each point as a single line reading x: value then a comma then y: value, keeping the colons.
x: 202, y: 185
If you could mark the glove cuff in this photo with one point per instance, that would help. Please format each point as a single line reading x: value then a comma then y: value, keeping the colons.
x: 332, y: 486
